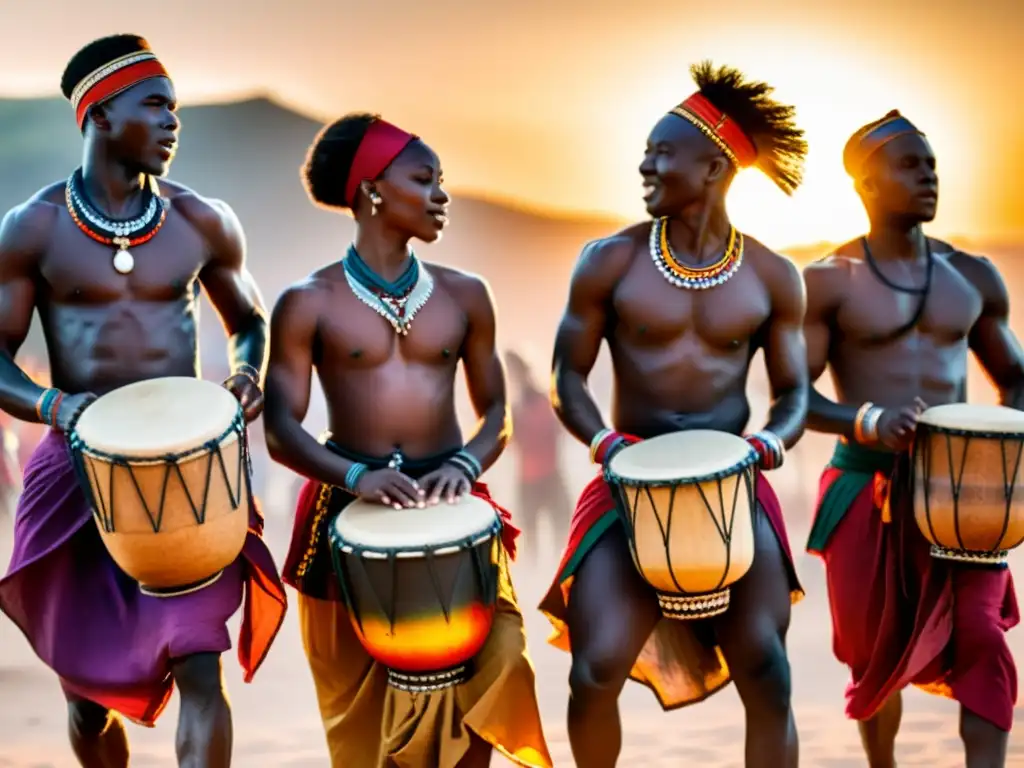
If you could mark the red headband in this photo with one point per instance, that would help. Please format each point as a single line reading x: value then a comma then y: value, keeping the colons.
x: 720, y: 128
x: 380, y: 146
x: 112, y: 78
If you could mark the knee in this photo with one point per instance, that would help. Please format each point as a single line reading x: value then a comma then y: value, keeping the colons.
x: 597, y: 674
x: 199, y: 680
x: 763, y: 677
x: 87, y: 720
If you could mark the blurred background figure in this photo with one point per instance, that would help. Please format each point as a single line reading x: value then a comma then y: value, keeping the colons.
x: 540, y: 485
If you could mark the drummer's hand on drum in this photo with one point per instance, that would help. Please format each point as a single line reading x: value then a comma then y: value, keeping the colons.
x: 897, y: 426
x: 248, y: 393
x: 448, y: 482
x: 71, y: 407
x: 391, y: 487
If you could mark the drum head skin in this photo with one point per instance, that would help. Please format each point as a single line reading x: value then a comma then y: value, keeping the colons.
x: 157, y: 417
x: 367, y: 525
x: 682, y: 457
x: 966, y: 417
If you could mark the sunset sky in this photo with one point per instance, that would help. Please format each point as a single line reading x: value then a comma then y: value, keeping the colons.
x: 547, y: 103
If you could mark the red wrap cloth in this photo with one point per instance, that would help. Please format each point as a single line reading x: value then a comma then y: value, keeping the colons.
x: 675, y: 664
x: 308, y: 567
x: 900, y: 617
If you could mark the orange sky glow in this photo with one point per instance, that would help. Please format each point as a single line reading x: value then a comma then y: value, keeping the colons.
x: 547, y: 103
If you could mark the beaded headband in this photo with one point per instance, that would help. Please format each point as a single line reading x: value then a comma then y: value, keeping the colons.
x: 112, y: 78
x: 720, y: 128
x: 869, y: 139
x: 380, y: 146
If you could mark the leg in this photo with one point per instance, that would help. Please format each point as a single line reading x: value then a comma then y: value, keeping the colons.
x: 752, y: 635
x: 878, y: 734
x: 611, y: 613
x: 478, y: 755
x: 204, y: 724
x: 984, y: 676
x: 97, y: 735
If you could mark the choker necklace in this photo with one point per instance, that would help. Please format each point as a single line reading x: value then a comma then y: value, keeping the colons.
x: 116, y: 232
x: 398, y: 301
x: 694, y: 278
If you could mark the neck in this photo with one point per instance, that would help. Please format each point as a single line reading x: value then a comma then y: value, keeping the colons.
x: 896, y: 240
x: 385, y: 251
x: 111, y: 187
x: 701, y: 231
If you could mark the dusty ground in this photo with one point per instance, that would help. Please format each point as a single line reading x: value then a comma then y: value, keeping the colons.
x: 276, y: 723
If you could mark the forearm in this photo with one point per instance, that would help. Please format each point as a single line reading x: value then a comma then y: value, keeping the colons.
x: 293, y: 447
x: 576, y: 408
x: 18, y: 393
x: 824, y: 415
x: 248, y: 346
x: 788, y: 416
x: 492, y: 436
x: 1013, y: 396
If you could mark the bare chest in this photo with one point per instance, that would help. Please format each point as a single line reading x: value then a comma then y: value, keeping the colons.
x: 78, y: 270
x: 355, y: 336
x: 649, y: 311
x: 873, y: 310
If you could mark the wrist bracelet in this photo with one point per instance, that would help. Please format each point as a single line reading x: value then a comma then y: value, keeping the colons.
x: 249, y: 371
x: 865, y: 423
x: 770, y: 448
x: 604, y: 444
x: 468, y: 464
x: 47, y: 406
x: 352, y: 477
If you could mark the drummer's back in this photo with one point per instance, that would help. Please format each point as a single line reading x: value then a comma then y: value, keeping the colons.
x: 384, y: 390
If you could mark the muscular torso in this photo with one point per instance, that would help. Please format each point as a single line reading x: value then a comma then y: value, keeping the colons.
x: 681, y: 357
x: 929, y: 361
x: 104, y: 329
x: 386, y: 392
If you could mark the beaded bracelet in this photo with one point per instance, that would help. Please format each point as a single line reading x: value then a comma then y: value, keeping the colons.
x: 604, y: 444
x: 468, y: 464
x: 48, y: 405
x: 865, y: 423
x: 770, y: 448
x: 354, y: 474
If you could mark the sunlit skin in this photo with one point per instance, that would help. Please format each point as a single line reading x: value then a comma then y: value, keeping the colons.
x: 104, y: 330
x: 681, y: 360
x: 851, y: 313
x: 385, y: 391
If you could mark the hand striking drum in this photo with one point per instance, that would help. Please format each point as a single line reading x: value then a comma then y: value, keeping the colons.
x: 920, y: 500
x: 399, y: 555
x: 687, y: 562
x: 111, y: 258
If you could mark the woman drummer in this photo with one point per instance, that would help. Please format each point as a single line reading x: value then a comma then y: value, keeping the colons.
x: 389, y: 383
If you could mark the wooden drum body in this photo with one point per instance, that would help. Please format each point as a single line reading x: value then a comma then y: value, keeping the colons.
x: 420, y: 585
x: 165, y: 466
x: 968, y: 488
x: 688, y: 499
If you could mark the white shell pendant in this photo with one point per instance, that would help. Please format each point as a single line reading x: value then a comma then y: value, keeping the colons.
x: 124, y: 262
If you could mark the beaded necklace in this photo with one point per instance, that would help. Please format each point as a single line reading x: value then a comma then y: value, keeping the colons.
x: 398, y: 301
x: 694, y: 278
x: 123, y: 234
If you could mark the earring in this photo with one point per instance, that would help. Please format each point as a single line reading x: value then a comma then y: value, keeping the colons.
x: 375, y: 200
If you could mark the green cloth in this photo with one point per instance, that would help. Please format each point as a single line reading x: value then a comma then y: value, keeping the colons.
x: 858, y: 466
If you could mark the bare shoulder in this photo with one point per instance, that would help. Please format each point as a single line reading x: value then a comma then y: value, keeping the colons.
x: 777, y: 271
x: 214, y: 219
x: 979, y: 271
x: 303, y: 300
x: 827, y: 279
x: 610, y: 257
x: 471, y: 291
x: 27, y: 228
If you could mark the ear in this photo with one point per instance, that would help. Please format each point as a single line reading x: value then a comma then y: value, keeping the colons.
x: 97, y: 115
x: 868, y: 187
x: 369, y: 189
x: 718, y: 170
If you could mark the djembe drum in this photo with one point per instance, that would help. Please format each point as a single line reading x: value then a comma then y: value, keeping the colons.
x: 165, y: 467
x: 688, y: 501
x: 420, y: 586
x: 968, y: 490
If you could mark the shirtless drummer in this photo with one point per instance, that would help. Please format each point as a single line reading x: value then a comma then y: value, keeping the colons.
x: 684, y: 302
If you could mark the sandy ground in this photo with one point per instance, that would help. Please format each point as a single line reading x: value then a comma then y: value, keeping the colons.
x: 276, y: 722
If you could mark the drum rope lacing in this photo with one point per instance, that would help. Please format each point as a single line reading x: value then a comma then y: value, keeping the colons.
x: 212, y: 448
x: 923, y: 452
